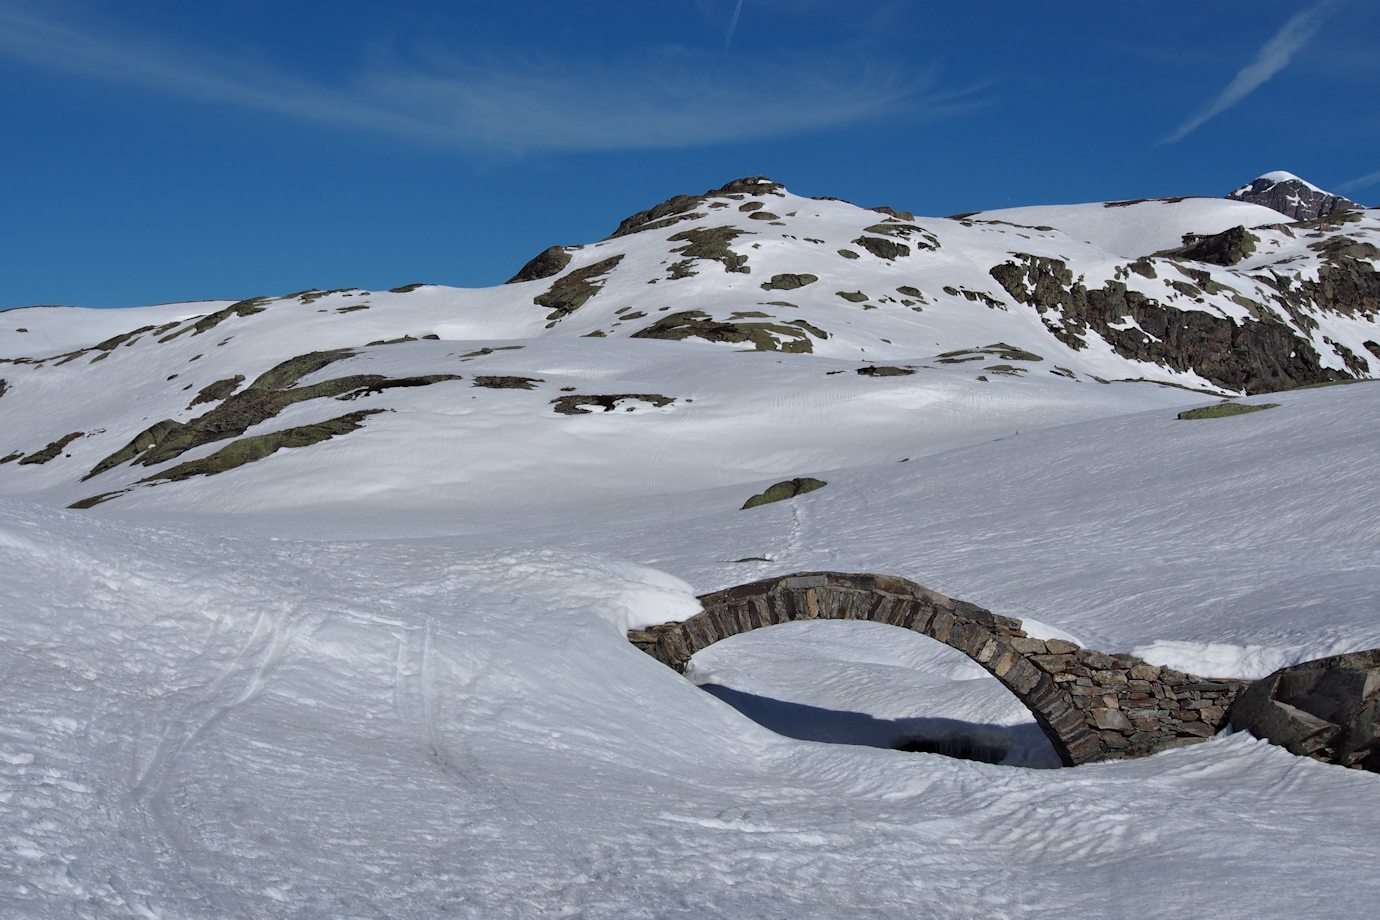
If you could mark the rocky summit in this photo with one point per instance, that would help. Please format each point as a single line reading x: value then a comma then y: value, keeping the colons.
x: 1291, y: 196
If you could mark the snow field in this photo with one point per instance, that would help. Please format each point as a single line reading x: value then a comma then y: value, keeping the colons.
x: 214, y: 725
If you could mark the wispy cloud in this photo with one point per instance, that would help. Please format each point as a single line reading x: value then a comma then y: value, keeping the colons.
x: 1359, y: 182
x: 733, y: 24
x: 1273, y: 57
x: 658, y: 98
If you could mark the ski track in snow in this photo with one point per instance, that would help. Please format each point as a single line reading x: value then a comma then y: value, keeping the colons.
x: 233, y: 726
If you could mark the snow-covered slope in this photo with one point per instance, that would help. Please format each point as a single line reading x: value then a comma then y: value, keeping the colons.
x: 345, y: 634
x: 1133, y: 229
x: 747, y: 303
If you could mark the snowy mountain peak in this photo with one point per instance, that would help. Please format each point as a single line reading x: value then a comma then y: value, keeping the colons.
x: 1280, y: 175
x: 1290, y: 195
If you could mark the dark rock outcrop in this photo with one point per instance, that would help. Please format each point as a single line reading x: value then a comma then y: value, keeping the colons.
x: 784, y: 490
x: 270, y: 393
x: 1256, y: 356
x: 1291, y: 196
x: 570, y: 292
x: 550, y: 261
x: 1225, y: 248
x: 681, y: 207
x: 1327, y: 709
x: 793, y: 335
x: 578, y: 404
x: 51, y: 451
x: 783, y: 282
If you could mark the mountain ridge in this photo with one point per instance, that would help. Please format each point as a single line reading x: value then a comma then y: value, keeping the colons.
x: 991, y: 306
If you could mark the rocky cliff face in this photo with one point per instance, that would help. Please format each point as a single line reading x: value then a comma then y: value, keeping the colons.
x: 1292, y: 196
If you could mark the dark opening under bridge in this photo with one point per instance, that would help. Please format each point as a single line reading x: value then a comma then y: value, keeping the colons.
x: 1093, y: 706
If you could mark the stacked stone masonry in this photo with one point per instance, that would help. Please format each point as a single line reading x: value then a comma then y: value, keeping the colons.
x: 1091, y: 705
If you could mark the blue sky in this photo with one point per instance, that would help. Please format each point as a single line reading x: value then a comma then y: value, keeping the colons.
x: 158, y: 150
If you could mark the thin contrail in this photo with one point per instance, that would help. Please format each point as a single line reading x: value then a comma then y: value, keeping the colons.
x: 1273, y: 57
x: 733, y: 24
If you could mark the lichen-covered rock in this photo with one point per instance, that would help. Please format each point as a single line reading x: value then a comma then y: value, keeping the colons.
x: 782, y: 282
x: 506, y: 382
x: 712, y: 244
x: 550, y: 261
x: 212, y: 320
x: 679, y: 207
x: 781, y: 491
x: 570, y: 292
x: 1224, y: 410
x: 217, y: 391
x: 791, y: 336
x: 268, y: 395
x: 1327, y: 709
x: 882, y: 248
x: 51, y: 451
x: 247, y: 450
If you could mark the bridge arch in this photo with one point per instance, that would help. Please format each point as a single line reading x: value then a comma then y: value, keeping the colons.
x: 1091, y: 706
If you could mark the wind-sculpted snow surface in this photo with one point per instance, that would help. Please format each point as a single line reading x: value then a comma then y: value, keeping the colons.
x: 209, y: 726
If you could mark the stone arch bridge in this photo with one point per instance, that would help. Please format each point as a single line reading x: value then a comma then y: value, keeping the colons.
x: 1093, y: 706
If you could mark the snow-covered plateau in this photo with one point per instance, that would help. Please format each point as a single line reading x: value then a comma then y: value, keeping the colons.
x: 316, y: 605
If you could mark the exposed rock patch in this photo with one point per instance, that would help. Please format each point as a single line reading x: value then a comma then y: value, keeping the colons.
x: 1224, y: 410
x: 52, y: 450
x: 247, y: 450
x: 791, y: 336
x: 572, y: 291
x: 269, y: 394
x: 1225, y: 248
x: 678, y: 207
x: 495, y: 382
x: 712, y: 244
x: 216, y: 392
x: 211, y: 320
x: 781, y: 491
x: 1256, y: 356
x: 550, y: 261
x: 578, y: 404
x: 882, y: 248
